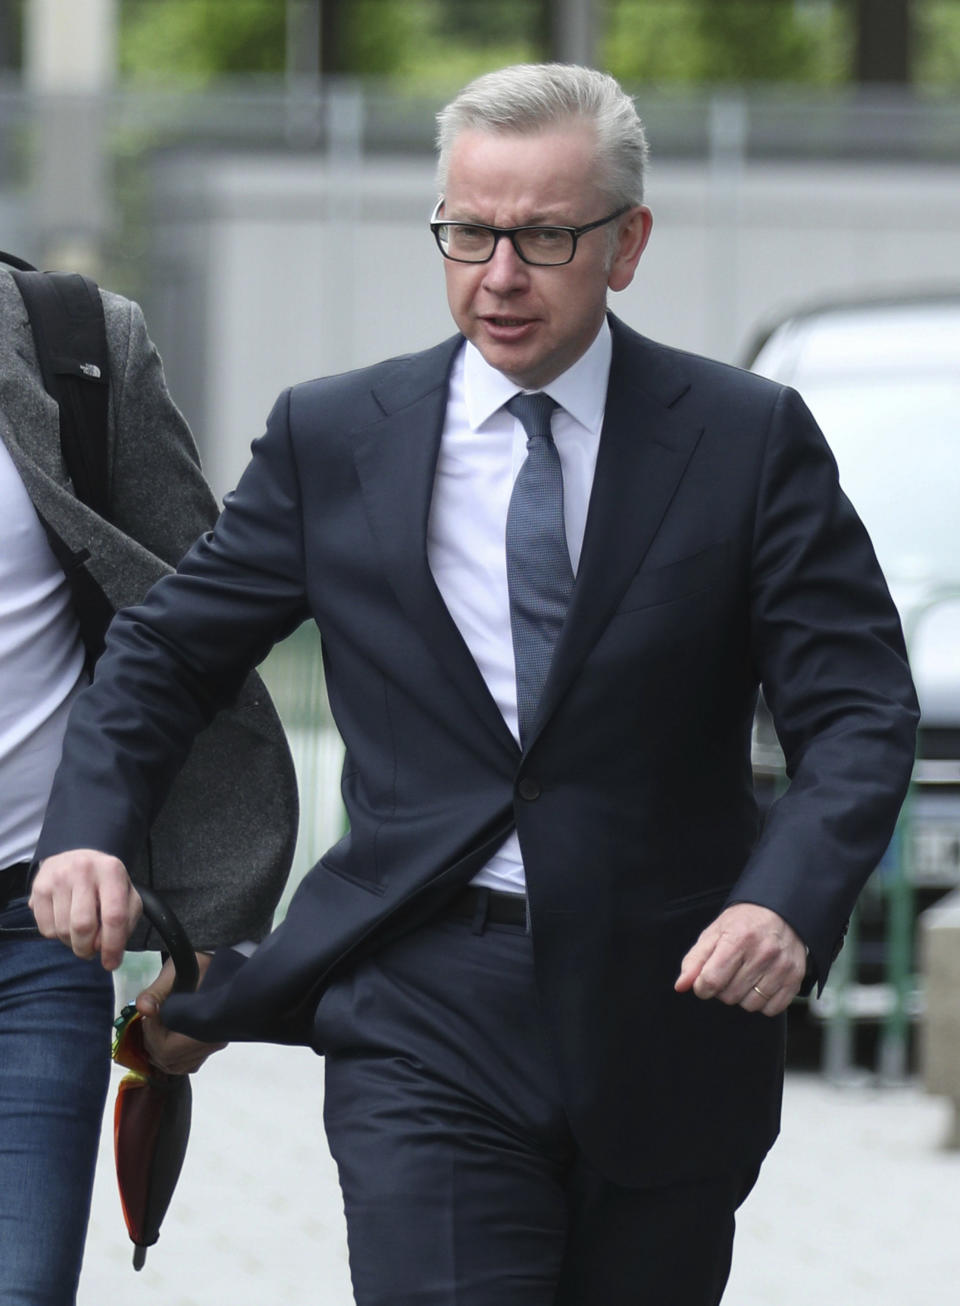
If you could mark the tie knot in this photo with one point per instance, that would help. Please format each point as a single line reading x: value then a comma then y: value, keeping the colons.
x: 533, y: 412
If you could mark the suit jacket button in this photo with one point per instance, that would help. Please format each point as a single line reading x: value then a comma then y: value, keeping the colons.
x: 528, y: 789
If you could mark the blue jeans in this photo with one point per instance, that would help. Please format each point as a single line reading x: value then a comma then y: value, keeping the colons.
x: 55, y: 1026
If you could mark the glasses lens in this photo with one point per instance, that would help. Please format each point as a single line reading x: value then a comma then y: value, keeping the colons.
x: 545, y: 245
x: 540, y: 245
x: 468, y: 244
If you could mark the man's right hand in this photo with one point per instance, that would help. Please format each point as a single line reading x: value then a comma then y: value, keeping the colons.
x: 86, y: 899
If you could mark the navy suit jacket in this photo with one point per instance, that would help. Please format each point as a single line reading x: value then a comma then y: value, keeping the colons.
x: 719, y: 554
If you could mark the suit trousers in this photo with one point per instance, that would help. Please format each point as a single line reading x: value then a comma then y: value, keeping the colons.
x: 463, y: 1183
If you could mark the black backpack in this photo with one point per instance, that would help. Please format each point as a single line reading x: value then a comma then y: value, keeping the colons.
x: 66, y: 317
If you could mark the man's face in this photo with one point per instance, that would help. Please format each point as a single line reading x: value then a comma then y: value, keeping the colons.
x: 532, y: 323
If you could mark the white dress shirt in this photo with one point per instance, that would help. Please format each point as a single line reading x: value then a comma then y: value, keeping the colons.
x: 481, y: 450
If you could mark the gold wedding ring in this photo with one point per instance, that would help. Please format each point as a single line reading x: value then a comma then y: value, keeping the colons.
x: 765, y: 996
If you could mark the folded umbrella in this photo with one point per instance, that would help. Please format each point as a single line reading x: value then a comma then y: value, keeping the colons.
x: 151, y: 1119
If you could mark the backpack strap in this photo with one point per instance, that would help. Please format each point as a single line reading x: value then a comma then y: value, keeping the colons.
x: 66, y: 316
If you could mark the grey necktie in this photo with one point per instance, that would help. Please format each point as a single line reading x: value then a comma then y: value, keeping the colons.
x: 539, y: 574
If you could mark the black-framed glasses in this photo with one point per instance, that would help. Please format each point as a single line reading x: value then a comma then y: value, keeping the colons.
x: 541, y: 246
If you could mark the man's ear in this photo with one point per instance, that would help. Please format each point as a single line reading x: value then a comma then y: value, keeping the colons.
x: 635, y: 230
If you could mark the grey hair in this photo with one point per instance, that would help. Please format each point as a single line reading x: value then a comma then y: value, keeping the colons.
x: 527, y: 98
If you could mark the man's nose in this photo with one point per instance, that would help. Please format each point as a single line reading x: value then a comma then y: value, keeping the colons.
x: 506, y: 270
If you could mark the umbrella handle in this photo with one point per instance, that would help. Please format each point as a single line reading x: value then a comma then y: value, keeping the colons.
x: 174, y: 937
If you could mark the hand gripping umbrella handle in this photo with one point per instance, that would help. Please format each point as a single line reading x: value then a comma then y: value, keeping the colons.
x: 175, y: 939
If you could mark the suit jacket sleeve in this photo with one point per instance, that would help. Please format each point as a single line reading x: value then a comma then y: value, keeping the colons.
x: 831, y: 659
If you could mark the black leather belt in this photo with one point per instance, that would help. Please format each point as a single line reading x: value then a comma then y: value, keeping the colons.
x: 483, y: 907
x: 13, y: 882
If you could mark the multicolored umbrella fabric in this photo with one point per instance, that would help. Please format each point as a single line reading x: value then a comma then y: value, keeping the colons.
x: 151, y: 1119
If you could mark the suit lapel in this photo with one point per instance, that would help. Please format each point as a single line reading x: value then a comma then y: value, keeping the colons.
x: 644, y: 451
x: 396, y: 459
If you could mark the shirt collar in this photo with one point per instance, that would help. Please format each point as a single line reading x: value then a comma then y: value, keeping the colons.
x: 581, y: 390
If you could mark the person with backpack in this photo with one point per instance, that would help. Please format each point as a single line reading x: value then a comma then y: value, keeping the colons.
x: 101, y: 493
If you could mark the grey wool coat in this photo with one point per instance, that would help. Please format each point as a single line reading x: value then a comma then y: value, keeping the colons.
x: 220, y: 847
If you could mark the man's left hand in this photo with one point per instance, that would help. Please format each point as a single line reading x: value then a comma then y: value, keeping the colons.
x: 748, y: 957
x: 177, y: 1054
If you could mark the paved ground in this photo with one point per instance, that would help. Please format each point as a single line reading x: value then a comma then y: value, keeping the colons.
x: 858, y: 1204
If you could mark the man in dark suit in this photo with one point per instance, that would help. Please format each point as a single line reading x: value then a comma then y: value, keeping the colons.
x: 549, y: 964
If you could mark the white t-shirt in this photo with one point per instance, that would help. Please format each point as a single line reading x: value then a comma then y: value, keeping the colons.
x: 41, y: 666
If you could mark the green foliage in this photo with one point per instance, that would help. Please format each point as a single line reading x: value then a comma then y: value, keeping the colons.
x: 451, y: 42
x: 379, y: 34
x: 493, y: 23
x: 424, y: 45
x: 651, y: 43
x: 429, y: 46
x: 747, y: 41
x: 11, y: 33
x: 937, y: 51
x: 196, y: 40
x: 726, y: 41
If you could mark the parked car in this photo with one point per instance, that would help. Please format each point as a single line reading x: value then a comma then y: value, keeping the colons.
x: 882, y: 378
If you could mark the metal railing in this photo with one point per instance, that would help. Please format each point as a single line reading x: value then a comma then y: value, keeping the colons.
x: 898, y: 1002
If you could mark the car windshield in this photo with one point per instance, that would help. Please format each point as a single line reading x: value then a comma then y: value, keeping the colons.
x: 896, y: 439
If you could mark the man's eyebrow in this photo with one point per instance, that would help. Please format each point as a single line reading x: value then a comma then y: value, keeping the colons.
x: 537, y: 220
